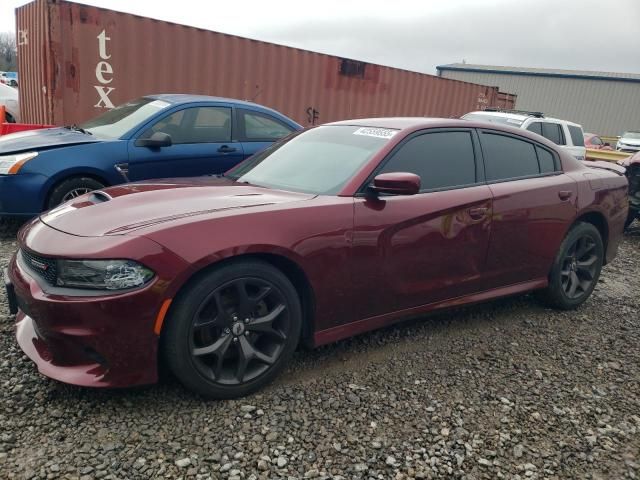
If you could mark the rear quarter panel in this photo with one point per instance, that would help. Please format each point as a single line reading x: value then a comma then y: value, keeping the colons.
x: 606, y: 193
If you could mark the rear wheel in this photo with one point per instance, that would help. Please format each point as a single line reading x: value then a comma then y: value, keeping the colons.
x: 71, y: 188
x: 233, y: 330
x: 576, y: 269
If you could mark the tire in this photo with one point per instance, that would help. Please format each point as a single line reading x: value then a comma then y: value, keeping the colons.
x: 221, y: 348
x: 71, y: 188
x: 9, y: 118
x: 578, y: 262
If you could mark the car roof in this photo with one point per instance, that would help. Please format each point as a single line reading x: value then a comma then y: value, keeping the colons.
x: 515, y: 116
x: 401, y: 123
x: 522, y: 117
x: 410, y: 124
x: 179, y: 98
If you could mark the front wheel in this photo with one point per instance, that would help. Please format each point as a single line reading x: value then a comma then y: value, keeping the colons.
x: 71, y: 188
x: 576, y: 268
x: 233, y: 330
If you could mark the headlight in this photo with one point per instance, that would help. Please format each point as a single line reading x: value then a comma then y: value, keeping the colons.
x: 102, y: 274
x: 11, y: 164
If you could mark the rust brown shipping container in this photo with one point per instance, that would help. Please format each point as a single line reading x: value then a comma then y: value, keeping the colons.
x: 75, y: 61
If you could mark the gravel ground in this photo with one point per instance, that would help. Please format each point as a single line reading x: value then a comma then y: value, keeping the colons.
x: 504, y: 390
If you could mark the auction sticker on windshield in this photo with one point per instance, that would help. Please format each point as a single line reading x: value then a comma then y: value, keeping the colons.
x: 376, y: 132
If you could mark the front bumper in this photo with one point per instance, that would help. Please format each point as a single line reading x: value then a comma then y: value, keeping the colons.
x: 96, y: 341
x: 628, y: 148
x: 22, y: 194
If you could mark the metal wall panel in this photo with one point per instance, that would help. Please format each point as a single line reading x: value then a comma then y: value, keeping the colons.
x: 34, y: 62
x: 600, y: 106
x: 83, y: 59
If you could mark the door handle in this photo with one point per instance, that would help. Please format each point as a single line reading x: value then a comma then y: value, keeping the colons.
x: 478, y: 213
x: 565, y: 194
x: 226, y: 149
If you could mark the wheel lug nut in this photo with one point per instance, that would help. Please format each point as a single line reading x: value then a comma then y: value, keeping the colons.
x: 235, y: 318
x: 246, y: 334
x: 227, y: 331
x: 235, y: 339
x: 246, y: 320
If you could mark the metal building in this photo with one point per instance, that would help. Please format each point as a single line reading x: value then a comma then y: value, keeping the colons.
x: 75, y: 61
x: 602, y: 102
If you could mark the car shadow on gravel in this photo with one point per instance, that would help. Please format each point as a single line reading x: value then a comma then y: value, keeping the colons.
x: 9, y: 227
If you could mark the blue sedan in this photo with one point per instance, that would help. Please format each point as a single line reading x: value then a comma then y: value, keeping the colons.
x: 157, y: 136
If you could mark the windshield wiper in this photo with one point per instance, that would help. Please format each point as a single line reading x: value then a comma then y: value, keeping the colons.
x: 76, y: 128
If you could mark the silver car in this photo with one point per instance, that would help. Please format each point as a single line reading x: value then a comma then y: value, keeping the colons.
x: 629, y: 142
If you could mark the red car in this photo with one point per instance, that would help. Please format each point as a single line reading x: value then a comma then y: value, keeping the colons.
x: 594, y: 142
x: 332, y: 232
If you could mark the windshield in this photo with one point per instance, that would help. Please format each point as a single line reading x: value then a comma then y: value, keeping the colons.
x: 483, y: 117
x: 321, y: 160
x: 118, y: 121
x: 632, y: 135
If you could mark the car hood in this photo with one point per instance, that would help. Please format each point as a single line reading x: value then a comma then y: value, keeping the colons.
x: 42, y: 139
x: 126, y: 208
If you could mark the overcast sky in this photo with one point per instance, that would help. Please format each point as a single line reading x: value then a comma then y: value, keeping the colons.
x: 418, y: 35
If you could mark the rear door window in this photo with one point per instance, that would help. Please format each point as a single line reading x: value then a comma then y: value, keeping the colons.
x: 262, y: 127
x: 577, y: 135
x: 553, y: 132
x: 546, y: 159
x: 507, y: 157
x: 441, y: 159
x: 535, y: 127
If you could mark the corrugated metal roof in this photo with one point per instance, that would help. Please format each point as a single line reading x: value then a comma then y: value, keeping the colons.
x: 542, y: 72
x: 605, y: 107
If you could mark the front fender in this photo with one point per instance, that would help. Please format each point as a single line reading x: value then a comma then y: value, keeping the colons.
x: 219, y: 256
x: 95, y: 159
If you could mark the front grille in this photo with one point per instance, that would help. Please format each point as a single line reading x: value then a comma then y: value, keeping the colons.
x: 45, y: 268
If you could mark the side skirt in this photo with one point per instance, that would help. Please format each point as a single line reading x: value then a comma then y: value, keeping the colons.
x: 340, y: 332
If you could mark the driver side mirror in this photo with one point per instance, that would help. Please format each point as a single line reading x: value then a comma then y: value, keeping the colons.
x: 396, y: 183
x: 157, y: 140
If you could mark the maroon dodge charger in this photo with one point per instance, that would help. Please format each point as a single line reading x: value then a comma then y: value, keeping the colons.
x: 334, y: 231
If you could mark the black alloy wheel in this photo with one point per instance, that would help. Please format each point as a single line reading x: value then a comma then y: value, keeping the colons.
x: 576, y: 269
x: 579, y: 267
x: 233, y: 330
x: 239, y: 330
